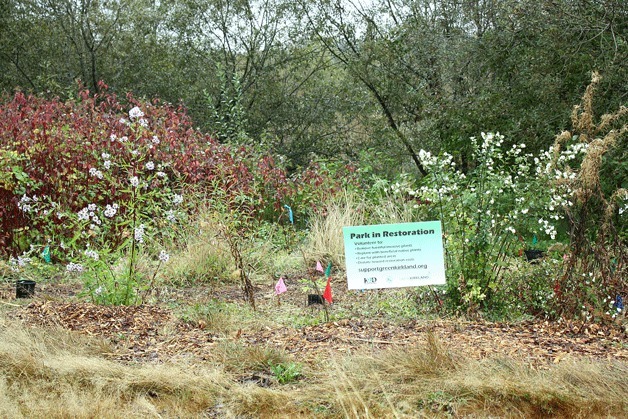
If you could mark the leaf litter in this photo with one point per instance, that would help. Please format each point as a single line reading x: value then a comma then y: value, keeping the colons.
x: 148, y: 332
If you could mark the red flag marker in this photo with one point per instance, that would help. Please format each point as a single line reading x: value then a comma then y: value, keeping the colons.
x: 327, y: 293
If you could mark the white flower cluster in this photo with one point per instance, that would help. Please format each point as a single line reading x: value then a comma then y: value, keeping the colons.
x: 404, y: 187
x: 136, y: 114
x: 18, y: 263
x: 170, y: 216
x: 95, y: 173
x: 491, y: 140
x: 89, y: 214
x: 26, y: 203
x: 549, y: 229
x: 163, y: 256
x: 111, y: 210
x: 92, y: 254
x: 83, y: 214
x: 572, y: 151
x: 74, y: 267
x: 139, y: 234
x: 150, y: 165
x: 23, y: 261
x: 430, y: 161
x: 107, y: 162
x: 135, y: 181
x: 546, y: 164
x: 177, y: 199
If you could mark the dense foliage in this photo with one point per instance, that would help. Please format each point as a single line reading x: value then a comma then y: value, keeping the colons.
x: 330, y: 77
x: 90, y: 181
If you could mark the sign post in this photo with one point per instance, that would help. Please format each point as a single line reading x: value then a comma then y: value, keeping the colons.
x: 394, y: 255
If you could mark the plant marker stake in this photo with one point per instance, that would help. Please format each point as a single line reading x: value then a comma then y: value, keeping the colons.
x: 46, y: 254
x: 327, y: 294
x: 319, y: 267
x: 290, y: 215
x: 280, y: 288
x: 318, y: 291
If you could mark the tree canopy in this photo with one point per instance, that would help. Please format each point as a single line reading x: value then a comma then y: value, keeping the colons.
x: 331, y: 77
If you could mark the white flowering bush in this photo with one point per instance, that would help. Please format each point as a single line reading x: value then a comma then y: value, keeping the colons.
x: 490, y: 211
x: 112, y: 232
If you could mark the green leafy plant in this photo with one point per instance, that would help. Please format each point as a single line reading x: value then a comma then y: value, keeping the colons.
x: 30, y: 265
x: 286, y: 372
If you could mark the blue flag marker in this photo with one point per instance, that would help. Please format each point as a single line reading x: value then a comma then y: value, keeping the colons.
x: 290, y: 216
x: 46, y: 254
x: 328, y: 270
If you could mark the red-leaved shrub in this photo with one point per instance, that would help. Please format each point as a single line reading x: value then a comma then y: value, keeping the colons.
x: 47, y: 148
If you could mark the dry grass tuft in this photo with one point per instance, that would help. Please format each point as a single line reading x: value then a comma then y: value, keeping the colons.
x: 325, y: 241
x: 428, y: 381
x: 240, y: 359
x: 205, y: 257
x: 58, y: 375
x: 55, y: 374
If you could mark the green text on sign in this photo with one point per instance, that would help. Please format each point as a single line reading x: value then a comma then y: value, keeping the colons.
x: 394, y: 255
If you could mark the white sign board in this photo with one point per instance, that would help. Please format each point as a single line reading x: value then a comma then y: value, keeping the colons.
x: 394, y: 255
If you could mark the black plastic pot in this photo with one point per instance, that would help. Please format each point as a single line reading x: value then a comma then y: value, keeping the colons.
x: 314, y: 299
x: 533, y: 254
x: 24, y: 288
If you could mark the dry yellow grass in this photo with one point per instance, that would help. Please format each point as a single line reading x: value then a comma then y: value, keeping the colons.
x: 57, y: 374
x: 205, y: 256
x: 325, y: 241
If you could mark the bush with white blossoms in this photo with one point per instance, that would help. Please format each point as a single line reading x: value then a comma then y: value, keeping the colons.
x: 109, y: 237
x: 488, y: 212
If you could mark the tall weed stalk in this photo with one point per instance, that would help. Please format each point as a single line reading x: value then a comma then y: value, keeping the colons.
x: 596, y: 267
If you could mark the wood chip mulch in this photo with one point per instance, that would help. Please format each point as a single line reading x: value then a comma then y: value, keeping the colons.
x: 532, y: 342
x: 151, y: 333
x: 136, y: 333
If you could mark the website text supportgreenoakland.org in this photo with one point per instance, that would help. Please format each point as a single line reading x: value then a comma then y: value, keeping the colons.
x: 391, y: 268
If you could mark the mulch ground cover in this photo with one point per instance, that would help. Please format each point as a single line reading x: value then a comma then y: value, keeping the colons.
x: 155, y: 333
